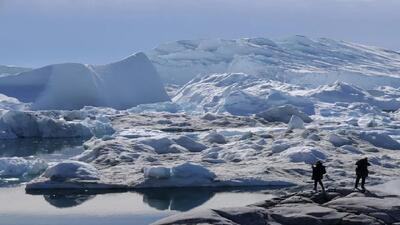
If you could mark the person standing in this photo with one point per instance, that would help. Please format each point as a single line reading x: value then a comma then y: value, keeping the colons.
x: 318, y: 171
x: 362, y: 172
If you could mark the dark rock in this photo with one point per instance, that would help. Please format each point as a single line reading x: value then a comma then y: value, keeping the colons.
x: 245, y: 215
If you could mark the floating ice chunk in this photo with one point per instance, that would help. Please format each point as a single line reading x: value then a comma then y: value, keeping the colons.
x: 190, y: 144
x: 190, y: 170
x: 338, y: 141
x: 283, y: 114
x: 22, y: 124
x: 17, y: 166
x: 72, y: 170
x: 295, y: 123
x: 303, y: 154
x: 25, y: 124
x: 157, y: 172
x: 215, y: 137
x: 51, y: 128
x: 380, y: 140
x: 183, y: 175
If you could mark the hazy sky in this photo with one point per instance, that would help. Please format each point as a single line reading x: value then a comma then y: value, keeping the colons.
x: 39, y: 32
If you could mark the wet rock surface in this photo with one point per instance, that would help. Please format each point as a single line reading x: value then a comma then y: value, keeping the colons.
x: 335, y: 207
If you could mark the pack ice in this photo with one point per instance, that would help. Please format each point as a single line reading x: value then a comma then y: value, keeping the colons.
x: 120, y: 85
x: 246, y: 112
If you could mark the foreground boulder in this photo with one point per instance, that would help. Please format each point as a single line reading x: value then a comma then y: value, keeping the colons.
x: 337, y: 206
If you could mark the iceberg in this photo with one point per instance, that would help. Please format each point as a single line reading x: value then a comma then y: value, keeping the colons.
x: 121, y: 85
x: 18, y: 166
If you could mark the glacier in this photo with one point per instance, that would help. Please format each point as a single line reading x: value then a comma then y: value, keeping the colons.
x: 297, y: 60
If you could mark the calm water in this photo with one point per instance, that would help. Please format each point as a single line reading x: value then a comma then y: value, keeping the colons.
x: 19, y: 208
x: 136, y: 208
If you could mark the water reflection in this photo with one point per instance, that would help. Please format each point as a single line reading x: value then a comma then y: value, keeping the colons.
x: 166, y: 199
x: 176, y: 199
x: 32, y: 146
x: 66, y: 201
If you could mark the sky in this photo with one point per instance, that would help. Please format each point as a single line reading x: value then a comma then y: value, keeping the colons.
x: 35, y: 33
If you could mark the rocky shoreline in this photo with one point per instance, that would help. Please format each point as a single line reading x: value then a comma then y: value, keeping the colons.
x: 335, y: 207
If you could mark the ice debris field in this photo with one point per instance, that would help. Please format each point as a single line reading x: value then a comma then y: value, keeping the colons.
x: 215, y: 113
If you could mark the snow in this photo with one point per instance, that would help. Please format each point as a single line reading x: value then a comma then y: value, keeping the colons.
x: 18, y: 167
x: 72, y: 170
x: 124, y: 84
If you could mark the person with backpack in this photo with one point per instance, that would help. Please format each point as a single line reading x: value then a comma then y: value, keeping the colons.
x: 361, y: 172
x: 318, y: 171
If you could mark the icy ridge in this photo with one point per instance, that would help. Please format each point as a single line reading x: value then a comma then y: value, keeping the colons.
x: 298, y: 59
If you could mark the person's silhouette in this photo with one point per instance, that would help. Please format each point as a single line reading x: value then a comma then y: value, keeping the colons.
x: 362, y: 172
x: 318, y: 171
